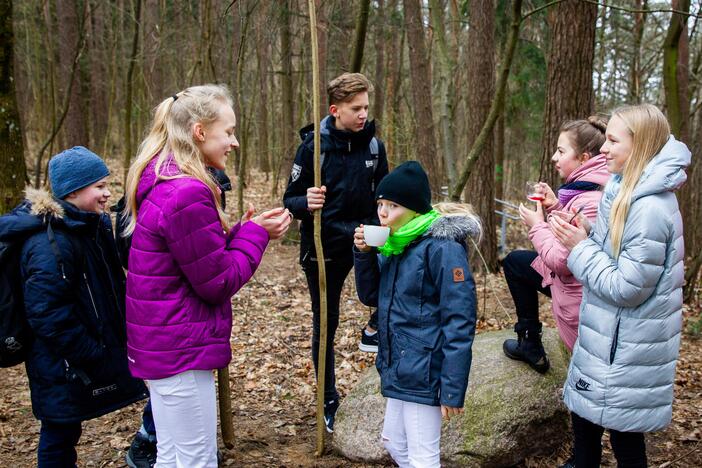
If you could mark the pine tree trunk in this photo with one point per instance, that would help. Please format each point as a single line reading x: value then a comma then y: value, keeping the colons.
x: 480, y: 189
x: 360, y: 36
x: 13, y: 173
x: 420, y: 74
x: 569, y: 93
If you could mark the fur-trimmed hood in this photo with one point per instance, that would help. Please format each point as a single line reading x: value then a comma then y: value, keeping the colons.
x: 42, y: 203
x: 456, y: 227
x: 38, y: 208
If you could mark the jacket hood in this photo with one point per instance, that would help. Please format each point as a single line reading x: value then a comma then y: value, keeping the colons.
x: 335, y: 139
x: 148, y: 178
x: 38, y: 208
x: 594, y: 170
x: 665, y: 172
x: 456, y: 227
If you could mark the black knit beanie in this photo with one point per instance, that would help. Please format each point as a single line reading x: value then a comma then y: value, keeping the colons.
x: 407, y: 185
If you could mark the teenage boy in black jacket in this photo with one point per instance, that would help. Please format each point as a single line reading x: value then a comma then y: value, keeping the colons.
x: 353, y: 163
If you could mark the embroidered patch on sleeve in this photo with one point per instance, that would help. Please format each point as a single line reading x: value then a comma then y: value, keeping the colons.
x: 458, y: 275
x: 295, y: 173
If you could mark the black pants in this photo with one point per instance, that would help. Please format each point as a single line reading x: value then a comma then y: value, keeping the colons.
x: 337, y: 270
x: 57, y: 445
x: 524, y: 285
x: 629, y: 447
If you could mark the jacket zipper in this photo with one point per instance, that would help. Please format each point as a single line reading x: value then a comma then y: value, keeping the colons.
x: 92, y: 300
x: 615, y: 340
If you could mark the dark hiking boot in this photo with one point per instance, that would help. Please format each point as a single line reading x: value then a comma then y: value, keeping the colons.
x: 142, y: 453
x: 528, y: 348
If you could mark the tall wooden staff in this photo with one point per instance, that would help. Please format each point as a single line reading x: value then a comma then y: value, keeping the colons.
x: 322, y: 359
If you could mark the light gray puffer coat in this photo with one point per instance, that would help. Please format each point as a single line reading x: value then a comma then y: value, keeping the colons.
x: 623, y: 366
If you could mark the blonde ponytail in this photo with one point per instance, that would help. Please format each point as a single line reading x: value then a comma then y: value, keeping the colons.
x: 461, y: 209
x: 650, y: 131
x: 171, y: 135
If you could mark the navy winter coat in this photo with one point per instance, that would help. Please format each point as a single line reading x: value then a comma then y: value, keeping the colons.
x: 426, y: 314
x: 77, y: 365
x: 350, y: 177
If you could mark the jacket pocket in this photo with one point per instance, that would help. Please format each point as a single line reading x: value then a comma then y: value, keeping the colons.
x: 413, y: 363
x: 615, y: 342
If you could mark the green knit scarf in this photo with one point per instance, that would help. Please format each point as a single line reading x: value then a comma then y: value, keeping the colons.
x: 398, y: 241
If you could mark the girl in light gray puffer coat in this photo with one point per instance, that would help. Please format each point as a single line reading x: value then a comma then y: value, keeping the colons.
x: 631, y: 267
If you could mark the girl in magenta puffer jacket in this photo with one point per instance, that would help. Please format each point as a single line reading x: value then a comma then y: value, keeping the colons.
x: 545, y: 269
x: 185, y: 264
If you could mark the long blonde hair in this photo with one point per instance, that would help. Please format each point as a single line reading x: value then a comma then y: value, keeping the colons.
x: 461, y: 209
x: 649, y: 130
x: 171, y: 134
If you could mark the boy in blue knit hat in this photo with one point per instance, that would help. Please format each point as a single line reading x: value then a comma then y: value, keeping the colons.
x: 73, y: 294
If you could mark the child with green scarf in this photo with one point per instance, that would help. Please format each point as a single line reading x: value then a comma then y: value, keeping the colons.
x: 422, y: 285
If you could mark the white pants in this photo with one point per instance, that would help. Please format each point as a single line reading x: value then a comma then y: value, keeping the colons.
x: 185, y: 415
x: 412, y: 433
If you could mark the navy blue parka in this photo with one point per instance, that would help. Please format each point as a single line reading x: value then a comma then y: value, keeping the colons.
x: 350, y: 175
x: 426, y: 304
x: 77, y: 364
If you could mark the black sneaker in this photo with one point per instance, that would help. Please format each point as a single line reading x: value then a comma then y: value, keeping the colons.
x: 330, y: 408
x: 142, y: 453
x: 369, y: 343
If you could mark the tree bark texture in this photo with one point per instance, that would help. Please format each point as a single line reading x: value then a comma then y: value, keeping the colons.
x: 420, y: 74
x: 76, y: 127
x: 360, y: 36
x: 569, y: 93
x: 13, y: 173
x: 480, y: 189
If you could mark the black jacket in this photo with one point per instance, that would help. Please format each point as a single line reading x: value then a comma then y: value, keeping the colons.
x: 349, y: 174
x: 74, y: 301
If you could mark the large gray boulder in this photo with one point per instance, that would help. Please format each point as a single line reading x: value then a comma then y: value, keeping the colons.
x: 511, y: 411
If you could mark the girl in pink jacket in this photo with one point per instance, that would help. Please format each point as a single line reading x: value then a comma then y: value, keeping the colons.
x: 545, y: 270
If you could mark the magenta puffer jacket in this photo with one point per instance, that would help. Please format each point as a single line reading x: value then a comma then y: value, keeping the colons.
x: 183, y: 271
x: 552, y: 262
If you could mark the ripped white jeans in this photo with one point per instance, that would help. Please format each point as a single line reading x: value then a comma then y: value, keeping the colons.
x: 412, y: 433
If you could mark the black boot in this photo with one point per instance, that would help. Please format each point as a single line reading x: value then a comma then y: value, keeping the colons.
x: 528, y: 348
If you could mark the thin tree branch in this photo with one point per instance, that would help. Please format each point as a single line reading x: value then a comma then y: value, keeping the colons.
x: 633, y: 10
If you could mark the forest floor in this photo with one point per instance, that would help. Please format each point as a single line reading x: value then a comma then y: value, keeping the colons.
x: 272, y: 379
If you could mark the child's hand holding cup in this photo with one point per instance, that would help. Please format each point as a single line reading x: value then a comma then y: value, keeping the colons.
x: 366, y: 237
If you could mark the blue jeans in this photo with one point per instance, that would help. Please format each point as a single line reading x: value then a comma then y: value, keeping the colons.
x: 147, y: 420
x: 57, y: 445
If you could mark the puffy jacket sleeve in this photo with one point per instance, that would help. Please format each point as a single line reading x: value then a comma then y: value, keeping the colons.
x: 631, y: 279
x: 50, y: 301
x: 552, y: 252
x: 301, y: 178
x: 215, y: 264
x: 449, y: 269
x: 367, y: 274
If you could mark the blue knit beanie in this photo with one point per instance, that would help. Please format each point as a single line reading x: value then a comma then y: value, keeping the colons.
x: 73, y: 169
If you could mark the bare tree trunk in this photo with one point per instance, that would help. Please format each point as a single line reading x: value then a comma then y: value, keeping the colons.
x: 496, y: 105
x: 635, y: 70
x: 130, y: 147
x: 360, y: 36
x: 480, y: 190
x: 76, y: 128
x: 322, y: 37
x: 446, y: 89
x: 98, y: 75
x: 13, y: 173
x: 569, y: 93
x: 153, y: 62
x: 286, y: 157
x: 379, y: 79
x: 395, y: 39
x: 675, y: 71
x: 420, y: 73
x: 263, y: 68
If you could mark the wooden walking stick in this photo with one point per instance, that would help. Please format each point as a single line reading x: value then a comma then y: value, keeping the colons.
x: 225, y: 407
x: 322, y: 357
